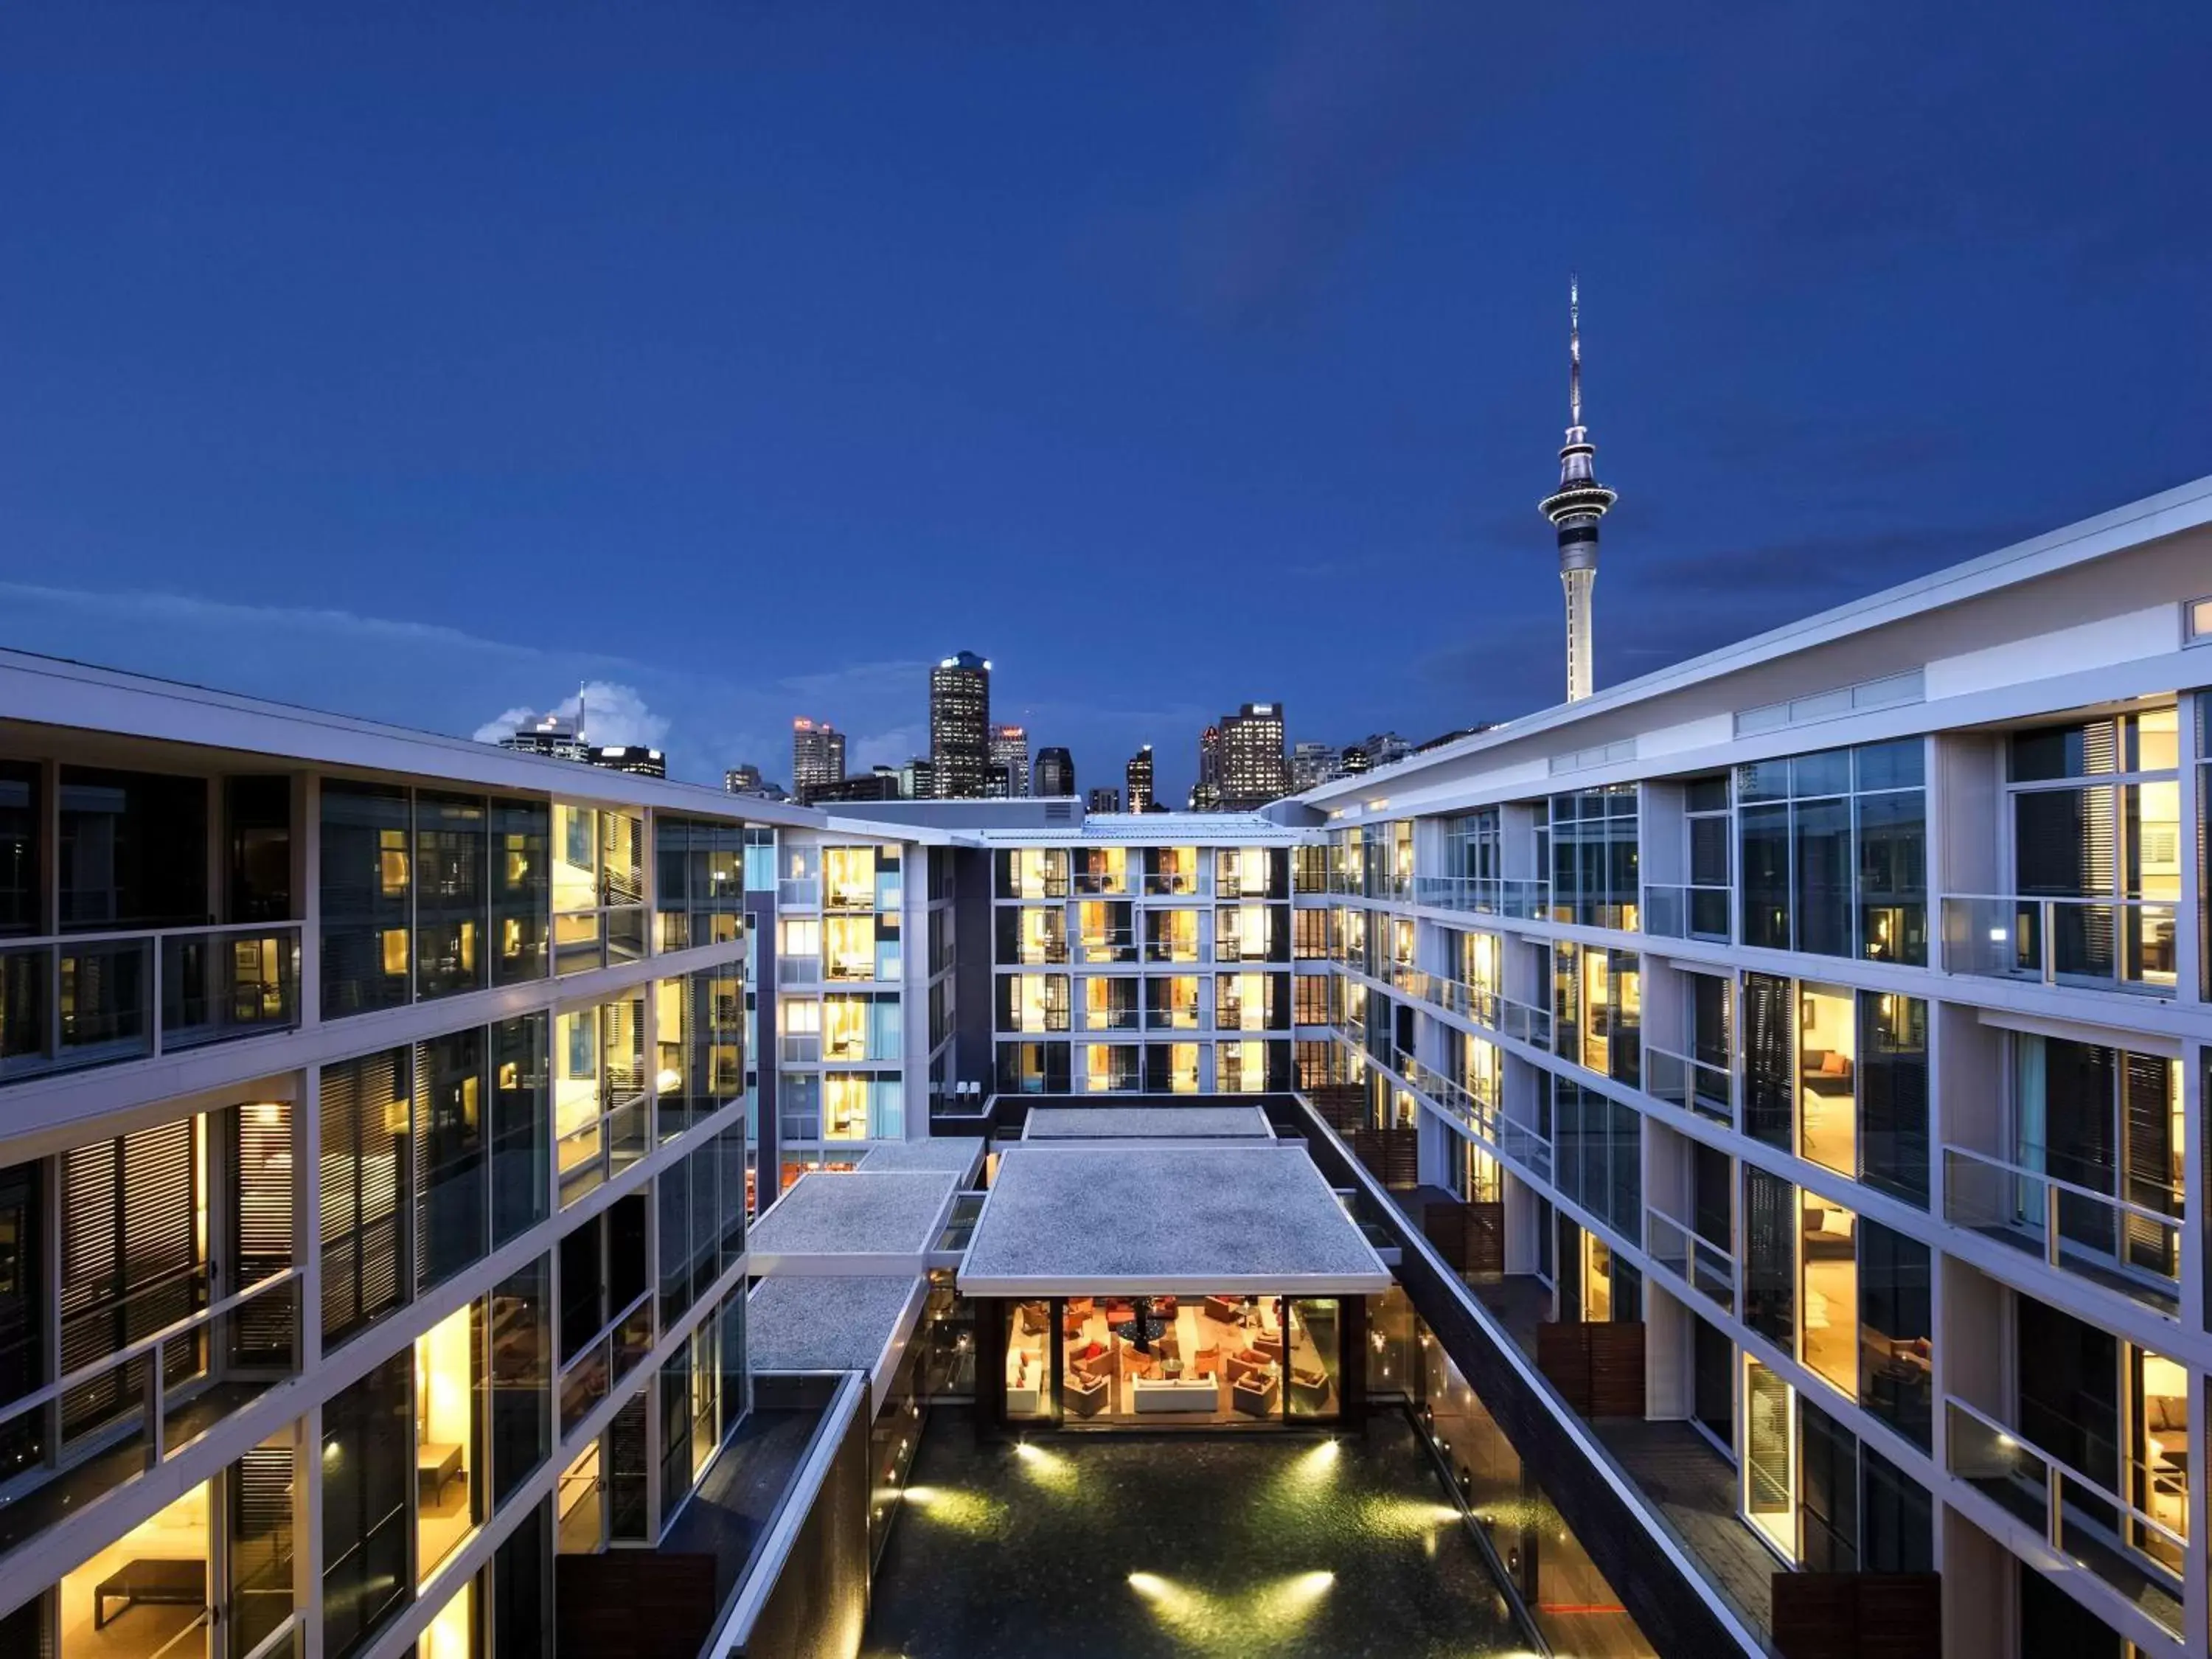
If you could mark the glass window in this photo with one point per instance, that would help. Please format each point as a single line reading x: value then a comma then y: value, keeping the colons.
x: 1316, y: 1363
x: 450, y: 851
x: 452, y: 1179
x: 1769, y: 1460
x: 519, y: 1110
x: 449, y: 1472
x: 365, y: 1164
x: 521, y: 891
x: 134, y: 850
x: 1820, y: 893
x: 366, y: 945
x: 1028, y: 1360
x: 1769, y: 1038
x: 1897, y: 1524
x: 522, y: 1377
x: 1827, y: 1078
x: 1827, y: 1491
x: 1893, y: 1074
x: 1770, y: 1246
x: 1828, y: 1307
x: 1897, y: 1366
x: 368, y: 1478
x: 21, y: 815
x: 1765, y: 836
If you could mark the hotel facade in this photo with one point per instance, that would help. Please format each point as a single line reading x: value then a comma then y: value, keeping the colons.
x: 1759, y: 1106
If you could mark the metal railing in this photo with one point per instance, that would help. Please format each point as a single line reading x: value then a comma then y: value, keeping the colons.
x: 592, y: 1153
x: 1676, y: 911
x: 1516, y: 896
x: 1693, y: 1085
x: 2123, y: 1246
x: 1692, y: 1258
x: 2094, y: 943
x: 82, y: 999
x: 152, y: 1412
x: 2085, y: 1520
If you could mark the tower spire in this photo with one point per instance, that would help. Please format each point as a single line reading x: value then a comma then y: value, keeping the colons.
x: 1574, y: 350
x: 1576, y: 508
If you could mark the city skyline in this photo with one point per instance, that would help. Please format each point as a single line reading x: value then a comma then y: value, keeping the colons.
x: 1313, y: 335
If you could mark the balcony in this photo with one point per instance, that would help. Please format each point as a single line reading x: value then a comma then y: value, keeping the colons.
x: 798, y: 893
x: 127, y: 1413
x: 1101, y: 884
x: 1693, y: 1085
x: 1171, y: 884
x: 2091, y: 1527
x: 90, y: 999
x: 851, y: 896
x: 798, y: 1047
x: 1495, y: 896
x: 2124, y: 1247
x: 2083, y: 944
x: 594, y: 1152
x: 1692, y: 912
x: 1692, y: 1257
x: 799, y: 970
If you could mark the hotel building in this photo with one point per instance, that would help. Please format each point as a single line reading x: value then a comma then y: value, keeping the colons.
x: 1749, y: 1118
x: 1833, y: 1012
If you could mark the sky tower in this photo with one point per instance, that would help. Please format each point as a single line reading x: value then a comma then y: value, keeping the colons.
x: 1576, y: 508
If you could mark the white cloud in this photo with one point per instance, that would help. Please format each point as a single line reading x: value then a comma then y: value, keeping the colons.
x: 613, y: 716
x: 893, y: 748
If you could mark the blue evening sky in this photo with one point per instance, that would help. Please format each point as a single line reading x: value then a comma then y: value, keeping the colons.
x: 426, y: 361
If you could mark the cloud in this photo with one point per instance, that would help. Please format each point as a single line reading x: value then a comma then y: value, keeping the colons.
x: 613, y: 716
x: 892, y: 748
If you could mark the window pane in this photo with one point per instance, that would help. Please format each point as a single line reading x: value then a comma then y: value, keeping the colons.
x: 1769, y: 1240
x: 1896, y: 1332
x: 369, y: 1470
x: 1764, y: 833
x: 1893, y: 873
x: 518, y: 1126
x: 365, y: 950
x: 449, y: 895
x: 21, y: 815
x: 1821, y: 889
x: 451, y: 1178
x: 1892, y: 1068
x: 521, y: 889
x: 521, y: 1379
x: 133, y: 850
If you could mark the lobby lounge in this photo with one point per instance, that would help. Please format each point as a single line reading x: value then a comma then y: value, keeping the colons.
x: 1170, y: 1286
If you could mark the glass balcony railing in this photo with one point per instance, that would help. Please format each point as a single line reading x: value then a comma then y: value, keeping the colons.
x: 798, y: 1047
x: 798, y: 893
x: 798, y: 971
x: 2093, y: 1527
x: 2090, y: 943
x: 1101, y: 884
x: 592, y: 1153
x: 1496, y: 896
x: 98, y: 998
x: 125, y: 1414
x: 849, y: 896
x: 2123, y: 1246
x: 1526, y: 1146
x: 1171, y: 884
x: 1692, y: 1257
x: 1679, y: 912
x: 1693, y: 1084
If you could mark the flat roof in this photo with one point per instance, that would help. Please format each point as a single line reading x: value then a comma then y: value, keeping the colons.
x: 955, y: 1155
x: 1147, y: 1123
x: 854, y: 1222
x: 828, y: 1321
x: 1184, y: 1220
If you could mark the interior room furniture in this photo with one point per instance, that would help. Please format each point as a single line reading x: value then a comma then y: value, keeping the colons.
x: 1254, y: 1396
x: 1033, y: 1319
x: 1826, y: 1073
x: 1093, y: 1358
x: 1087, y: 1396
x: 1249, y: 1362
x: 1829, y: 1235
x: 435, y: 1463
x: 2166, y: 1422
x: 1269, y: 1343
x: 1162, y: 1395
x: 1229, y: 1309
x: 155, y: 1581
x: 1309, y: 1389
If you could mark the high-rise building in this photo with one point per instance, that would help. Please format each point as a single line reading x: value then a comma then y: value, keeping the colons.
x: 1138, y: 775
x: 918, y: 779
x: 1313, y: 763
x: 1105, y: 797
x: 1253, y: 769
x: 1055, y: 772
x: 818, y: 754
x: 552, y: 736
x: 883, y: 783
x: 631, y: 757
x: 1010, y: 761
x: 1576, y: 508
x: 1205, y: 794
x: 1355, y: 761
x: 743, y: 779
x: 1384, y: 749
x: 960, y: 726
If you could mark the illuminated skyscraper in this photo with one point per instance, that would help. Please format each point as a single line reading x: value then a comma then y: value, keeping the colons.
x: 960, y: 726
x: 1010, y: 761
x: 817, y: 756
x: 1138, y: 775
x: 1575, y: 509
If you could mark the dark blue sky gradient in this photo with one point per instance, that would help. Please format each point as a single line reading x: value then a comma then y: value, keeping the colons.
x: 424, y: 361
